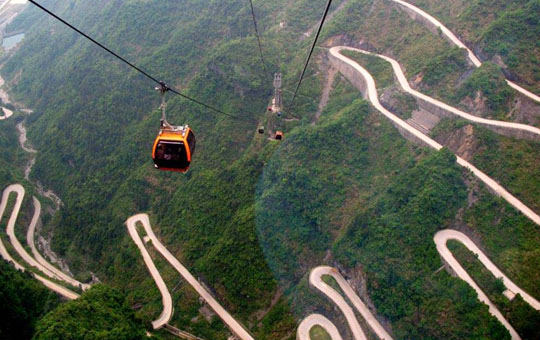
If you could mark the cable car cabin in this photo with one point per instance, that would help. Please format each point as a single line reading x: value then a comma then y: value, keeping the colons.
x: 279, y: 135
x: 173, y: 149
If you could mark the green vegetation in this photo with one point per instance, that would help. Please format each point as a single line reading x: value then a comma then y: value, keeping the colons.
x: 505, y: 28
x: 318, y: 333
x: 13, y: 157
x: 512, y: 162
x: 489, y: 81
x: 380, y: 69
x: 100, y: 313
x: 512, y: 36
x: 520, y: 314
x: 510, y: 239
x: 252, y: 217
x: 24, y: 301
x: 329, y: 280
x: 392, y: 240
x: 440, y: 69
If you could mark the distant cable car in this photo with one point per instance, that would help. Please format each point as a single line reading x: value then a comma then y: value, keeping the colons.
x: 279, y: 135
x: 261, y: 129
x: 174, y: 145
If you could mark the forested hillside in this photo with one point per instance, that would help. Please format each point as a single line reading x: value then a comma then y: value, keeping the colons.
x: 253, y: 216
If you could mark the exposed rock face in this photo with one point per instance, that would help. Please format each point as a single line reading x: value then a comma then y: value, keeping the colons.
x: 462, y: 142
x: 526, y: 111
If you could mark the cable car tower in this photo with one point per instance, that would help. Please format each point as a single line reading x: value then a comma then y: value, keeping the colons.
x: 275, y: 107
x: 277, y: 102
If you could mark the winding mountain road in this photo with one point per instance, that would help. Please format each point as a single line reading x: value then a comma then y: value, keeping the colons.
x: 402, y: 79
x: 441, y: 239
x: 317, y: 320
x: 31, y: 243
x: 11, y: 227
x: 315, y: 279
x: 6, y: 113
x: 371, y: 93
x: 419, y: 14
x: 236, y: 328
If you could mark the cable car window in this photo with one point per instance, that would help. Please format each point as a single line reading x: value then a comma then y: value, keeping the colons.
x: 191, y: 142
x: 171, y: 155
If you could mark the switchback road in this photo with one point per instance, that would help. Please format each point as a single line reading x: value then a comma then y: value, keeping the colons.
x: 418, y: 13
x: 11, y: 226
x: 407, y: 88
x: 317, y: 320
x: 372, y: 96
x: 236, y: 328
x: 441, y: 239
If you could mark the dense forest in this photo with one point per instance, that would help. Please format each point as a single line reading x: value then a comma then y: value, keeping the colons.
x: 252, y: 217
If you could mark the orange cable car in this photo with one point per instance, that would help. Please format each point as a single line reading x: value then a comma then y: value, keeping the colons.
x: 173, y: 148
x: 174, y: 145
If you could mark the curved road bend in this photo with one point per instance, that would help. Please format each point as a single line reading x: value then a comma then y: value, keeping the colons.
x: 402, y: 79
x: 452, y: 37
x: 236, y: 328
x: 19, y: 190
x: 31, y: 243
x: 315, y: 278
x: 5, y: 113
x: 4, y: 253
x: 166, y: 314
x: 371, y: 93
x: 442, y: 237
x: 317, y: 320
x: 440, y: 240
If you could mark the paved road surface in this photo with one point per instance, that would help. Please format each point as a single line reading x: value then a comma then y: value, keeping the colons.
x: 235, y: 327
x: 371, y: 93
x: 4, y: 253
x: 407, y: 88
x: 451, y: 36
x: 317, y: 320
x: 167, y: 312
x: 5, y: 113
x: 315, y: 279
x: 43, y: 266
x: 31, y: 243
x: 442, y: 237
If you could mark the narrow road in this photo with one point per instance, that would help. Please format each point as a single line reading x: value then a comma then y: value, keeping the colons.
x: 452, y: 37
x: 315, y: 279
x: 43, y: 266
x: 407, y: 88
x: 317, y: 320
x: 442, y: 237
x: 371, y: 94
x: 31, y: 243
x: 167, y: 312
x: 5, y: 113
x: 4, y: 253
x: 236, y: 328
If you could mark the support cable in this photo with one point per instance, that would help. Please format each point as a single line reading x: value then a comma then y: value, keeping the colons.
x: 310, y: 53
x: 259, y: 40
x: 137, y: 68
